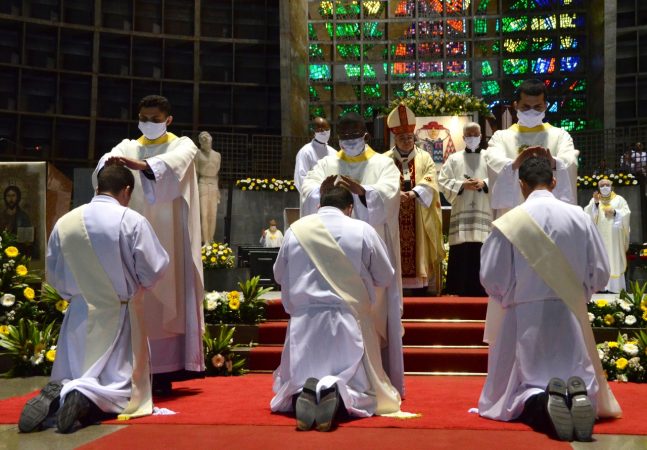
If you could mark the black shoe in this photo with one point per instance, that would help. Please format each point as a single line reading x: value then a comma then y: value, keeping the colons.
x: 162, y: 387
x: 558, y: 411
x: 40, y: 407
x: 75, y: 407
x: 581, y: 409
x: 327, y: 408
x: 306, y: 405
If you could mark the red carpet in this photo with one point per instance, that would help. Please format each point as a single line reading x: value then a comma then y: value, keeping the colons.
x: 442, y: 401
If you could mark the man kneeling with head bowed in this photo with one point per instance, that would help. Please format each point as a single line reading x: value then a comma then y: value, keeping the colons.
x: 328, y: 268
x: 540, y: 265
x: 101, y: 256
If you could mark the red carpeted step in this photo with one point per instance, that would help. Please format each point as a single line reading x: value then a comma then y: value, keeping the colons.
x: 472, y: 360
x: 415, y: 333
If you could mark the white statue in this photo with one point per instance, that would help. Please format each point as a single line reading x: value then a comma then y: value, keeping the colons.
x: 208, y: 166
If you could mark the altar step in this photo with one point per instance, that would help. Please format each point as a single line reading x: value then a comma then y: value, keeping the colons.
x: 442, y: 335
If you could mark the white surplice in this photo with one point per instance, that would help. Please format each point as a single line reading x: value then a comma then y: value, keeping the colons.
x: 271, y: 240
x: 504, y: 147
x: 471, y: 216
x: 307, y: 158
x: 380, y: 178
x: 170, y: 202
x: 133, y: 258
x: 539, y: 337
x: 324, y: 338
x: 615, y: 235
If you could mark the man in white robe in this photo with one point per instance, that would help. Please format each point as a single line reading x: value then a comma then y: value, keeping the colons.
x: 332, y: 344
x: 420, y: 219
x: 529, y: 137
x: 166, y: 193
x: 271, y: 237
x: 463, y: 181
x: 612, y: 220
x: 374, y: 181
x: 545, y: 336
x: 313, y: 151
x: 102, y: 354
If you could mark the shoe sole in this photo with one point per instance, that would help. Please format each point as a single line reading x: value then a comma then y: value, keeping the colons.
x: 75, y: 407
x: 326, y: 410
x: 558, y: 411
x: 581, y: 410
x: 39, y: 408
x: 306, y: 405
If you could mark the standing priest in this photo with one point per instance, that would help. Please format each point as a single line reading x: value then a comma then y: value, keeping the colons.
x: 420, y: 222
x: 374, y: 182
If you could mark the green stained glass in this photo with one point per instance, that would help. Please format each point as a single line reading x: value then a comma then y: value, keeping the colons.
x: 312, y: 34
x: 574, y: 105
x: 514, y: 24
x: 349, y: 108
x: 315, y: 52
x: 370, y: 110
x: 515, y: 45
x: 352, y: 70
x: 541, y: 44
x: 486, y: 69
x: 573, y: 124
x: 317, y: 111
x: 460, y: 87
x: 490, y: 87
x: 480, y: 26
x: 543, y: 23
x: 515, y: 66
x: 319, y: 72
x: 482, y: 6
x: 516, y: 83
x: 578, y: 86
x: 496, y: 47
x: 314, y: 95
x: 344, y: 30
x: 348, y: 51
x: 372, y: 30
x: 522, y: 4
x: 372, y: 91
x: 369, y: 72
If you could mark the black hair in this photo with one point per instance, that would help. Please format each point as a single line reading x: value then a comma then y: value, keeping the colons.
x: 351, y: 119
x: 16, y: 189
x: 337, y: 196
x: 536, y: 171
x: 532, y: 87
x: 155, y: 101
x: 112, y: 179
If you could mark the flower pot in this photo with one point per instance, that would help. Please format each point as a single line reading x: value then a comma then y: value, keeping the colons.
x: 243, y: 335
x: 224, y: 279
x: 603, y: 334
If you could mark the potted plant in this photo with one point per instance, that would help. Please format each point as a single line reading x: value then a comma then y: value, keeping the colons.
x: 625, y: 314
x: 220, y: 271
x: 624, y: 358
x: 219, y: 353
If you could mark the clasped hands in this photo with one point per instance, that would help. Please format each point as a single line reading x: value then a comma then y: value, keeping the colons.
x: 536, y: 151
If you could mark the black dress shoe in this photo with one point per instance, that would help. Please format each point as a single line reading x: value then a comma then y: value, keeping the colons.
x: 558, y: 411
x: 76, y: 407
x: 306, y: 405
x: 581, y: 409
x: 327, y: 408
x: 40, y: 407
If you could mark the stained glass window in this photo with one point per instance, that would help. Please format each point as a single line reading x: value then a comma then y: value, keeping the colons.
x: 460, y: 87
x: 515, y: 45
x: 486, y: 69
x: 543, y: 65
x: 569, y: 63
x: 490, y: 87
x: 320, y: 72
x: 515, y: 66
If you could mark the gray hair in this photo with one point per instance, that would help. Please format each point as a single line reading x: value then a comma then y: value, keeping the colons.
x: 469, y: 125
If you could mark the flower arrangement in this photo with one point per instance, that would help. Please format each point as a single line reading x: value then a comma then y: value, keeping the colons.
x: 618, y: 179
x: 31, y: 347
x: 625, y: 359
x: 219, y: 355
x: 438, y: 102
x: 217, y: 255
x: 628, y: 309
x: 244, y: 307
x: 265, y: 184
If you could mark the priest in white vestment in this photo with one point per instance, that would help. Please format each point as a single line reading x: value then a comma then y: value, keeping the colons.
x: 374, y: 181
x: 271, y: 237
x: 313, y: 151
x: 463, y: 181
x: 540, y: 248
x: 610, y: 214
x: 102, y: 357
x: 529, y: 137
x: 331, y: 336
x: 166, y: 193
x: 420, y: 219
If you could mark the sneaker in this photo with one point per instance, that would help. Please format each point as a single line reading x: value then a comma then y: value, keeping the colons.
x: 558, y: 411
x: 581, y: 409
x: 75, y: 407
x: 40, y: 407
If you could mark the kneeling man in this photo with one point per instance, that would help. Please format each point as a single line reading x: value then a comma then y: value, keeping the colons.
x: 101, y: 256
x: 541, y: 264
x: 328, y: 268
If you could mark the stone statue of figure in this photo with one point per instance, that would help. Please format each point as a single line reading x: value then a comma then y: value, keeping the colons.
x: 208, y: 165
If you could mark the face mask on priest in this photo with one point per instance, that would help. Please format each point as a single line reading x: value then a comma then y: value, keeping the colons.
x: 353, y: 147
x: 322, y: 136
x: 530, y: 118
x: 605, y: 191
x: 472, y: 142
x: 152, y: 130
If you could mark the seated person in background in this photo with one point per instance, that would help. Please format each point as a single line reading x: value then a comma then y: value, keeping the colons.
x: 610, y: 214
x: 332, y: 350
x: 101, y: 256
x: 272, y: 236
x: 541, y: 263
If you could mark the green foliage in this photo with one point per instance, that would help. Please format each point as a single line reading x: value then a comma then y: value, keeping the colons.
x: 31, y: 347
x: 220, y: 357
x: 233, y: 307
x: 625, y: 359
x: 437, y: 102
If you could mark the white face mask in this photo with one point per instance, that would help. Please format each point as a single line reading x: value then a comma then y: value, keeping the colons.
x: 472, y: 142
x: 353, y: 147
x: 530, y: 118
x: 152, y: 130
x: 322, y: 136
x: 605, y: 190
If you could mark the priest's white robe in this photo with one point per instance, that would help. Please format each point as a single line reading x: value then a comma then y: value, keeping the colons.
x: 539, y: 338
x: 615, y: 235
x: 505, y: 146
x: 381, y: 179
x: 307, y: 158
x: 170, y: 202
x: 271, y: 240
x: 133, y: 258
x: 324, y: 337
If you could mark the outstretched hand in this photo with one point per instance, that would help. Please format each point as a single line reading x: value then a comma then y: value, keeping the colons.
x: 536, y: 151
x: 352, y: 185
x: 131, y: 163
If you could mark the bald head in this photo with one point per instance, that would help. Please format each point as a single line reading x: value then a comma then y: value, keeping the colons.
x: 320, y: 124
